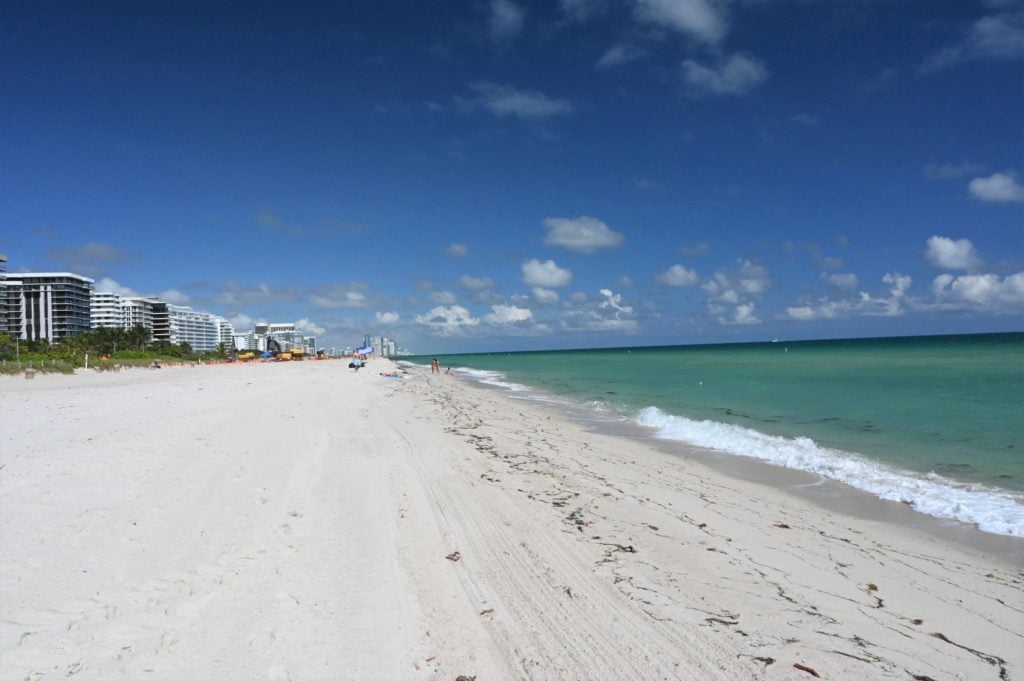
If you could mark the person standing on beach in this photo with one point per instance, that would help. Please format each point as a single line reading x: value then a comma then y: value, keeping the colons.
x: 433, y: 366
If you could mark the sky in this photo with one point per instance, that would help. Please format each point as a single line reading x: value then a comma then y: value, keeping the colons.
x: 491, y: 175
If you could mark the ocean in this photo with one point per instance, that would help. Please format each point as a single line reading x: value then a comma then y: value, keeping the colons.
x: 934, y: 422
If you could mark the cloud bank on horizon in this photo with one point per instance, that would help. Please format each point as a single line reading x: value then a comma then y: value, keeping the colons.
x: 516, y: 175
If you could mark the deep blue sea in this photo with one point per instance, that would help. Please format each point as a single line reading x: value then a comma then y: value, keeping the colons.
x: 935, y: 422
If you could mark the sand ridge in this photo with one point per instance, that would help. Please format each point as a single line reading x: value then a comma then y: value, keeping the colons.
x: 293, y: 521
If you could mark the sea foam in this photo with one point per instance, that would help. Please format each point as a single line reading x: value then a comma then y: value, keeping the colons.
x: 493, y: 378
x: 991, y: 510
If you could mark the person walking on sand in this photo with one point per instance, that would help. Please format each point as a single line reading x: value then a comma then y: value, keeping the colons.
x: 434, y: 366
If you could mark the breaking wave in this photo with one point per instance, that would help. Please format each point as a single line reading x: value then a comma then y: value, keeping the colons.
x: 991, y: 510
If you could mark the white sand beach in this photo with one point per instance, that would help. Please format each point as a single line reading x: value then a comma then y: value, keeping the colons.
x: 303, y: 521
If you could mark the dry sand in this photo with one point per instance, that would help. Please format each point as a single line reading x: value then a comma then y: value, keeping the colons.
x: 292, y: 521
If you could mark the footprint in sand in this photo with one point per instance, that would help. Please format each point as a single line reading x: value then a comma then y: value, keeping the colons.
x: 287, y: 602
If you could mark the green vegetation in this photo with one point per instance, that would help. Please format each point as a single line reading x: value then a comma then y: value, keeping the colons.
x: 106, y: 349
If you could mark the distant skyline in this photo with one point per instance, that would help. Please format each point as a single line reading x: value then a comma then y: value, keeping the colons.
x: 506, y: 175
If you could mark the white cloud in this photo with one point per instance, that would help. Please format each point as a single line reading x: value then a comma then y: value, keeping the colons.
x: 310, y: 328
x: 583, y: 234
x: 242, y: 322
x: 108, y: 285
x: 502, y: 100
x: 625, y: 281
x: 386, y: 317
x: 338, y: 297
x: 546, y: 274
x: 998, y: 36
x: 457, y: 250
x: 999, y: 188
x: 742, y: 314
x: 803, y: 313
x: 891, y: 305
x: 614, y: 301
x: 735, y: 288
x: 737, y: 75
x: 451, y: 320
x: 702, y: 20
x: 749, y: 279
x: 841, y: 281
x: 545, y: 295
x: 952, y: 254
x: 508, y: 314
x: 475, y: 283
x: 753, y: 278
x: 677, y: 275
x: 174, y: 297
x: 442, y: 298
x: 607, y: 314
x: 506, y: 20
x: 617, y: 55
x: 980, y: 290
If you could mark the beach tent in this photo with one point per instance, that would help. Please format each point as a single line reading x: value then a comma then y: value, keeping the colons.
x: 365, y: 350
x: 266, y: 354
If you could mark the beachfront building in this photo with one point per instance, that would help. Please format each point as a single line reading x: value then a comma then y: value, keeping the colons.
x: 201, y: 330
x: 249, y: 341
x: 151, y: 313
x: 283, y: 337
x: 46, y: 305
x: 225, y: 332
x: 105, y: 310
x: 382, y: 347
x: 165, y: 322
x: 309, y: 345
x: 10, y: 307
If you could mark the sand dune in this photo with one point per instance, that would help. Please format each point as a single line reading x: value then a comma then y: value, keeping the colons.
x: 295, y: 521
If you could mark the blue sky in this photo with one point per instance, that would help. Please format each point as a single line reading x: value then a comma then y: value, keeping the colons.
x: 503, y: 174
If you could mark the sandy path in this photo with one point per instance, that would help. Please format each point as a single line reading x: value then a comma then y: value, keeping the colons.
x: 292, y: 522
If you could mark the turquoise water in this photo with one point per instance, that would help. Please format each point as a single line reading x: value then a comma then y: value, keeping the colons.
x: 936, y: 422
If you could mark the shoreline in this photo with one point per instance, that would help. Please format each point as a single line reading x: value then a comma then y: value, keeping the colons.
x: 307, y: 521
x: 831, y: 494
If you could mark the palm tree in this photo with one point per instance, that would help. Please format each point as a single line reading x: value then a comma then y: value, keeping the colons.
x: 138, y: 337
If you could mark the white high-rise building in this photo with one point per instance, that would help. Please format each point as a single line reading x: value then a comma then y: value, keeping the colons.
x: 249, y: 341
x: 198, y: 329
x: 136, y: 311
x: 225, y: 332
x: 46, y: 305
x: 105, y: 310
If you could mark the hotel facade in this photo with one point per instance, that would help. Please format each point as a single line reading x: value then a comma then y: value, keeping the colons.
x: 45, y: 305
x: 165, y: 322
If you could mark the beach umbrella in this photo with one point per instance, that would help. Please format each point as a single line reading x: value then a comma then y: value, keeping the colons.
x: 365, y: 350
